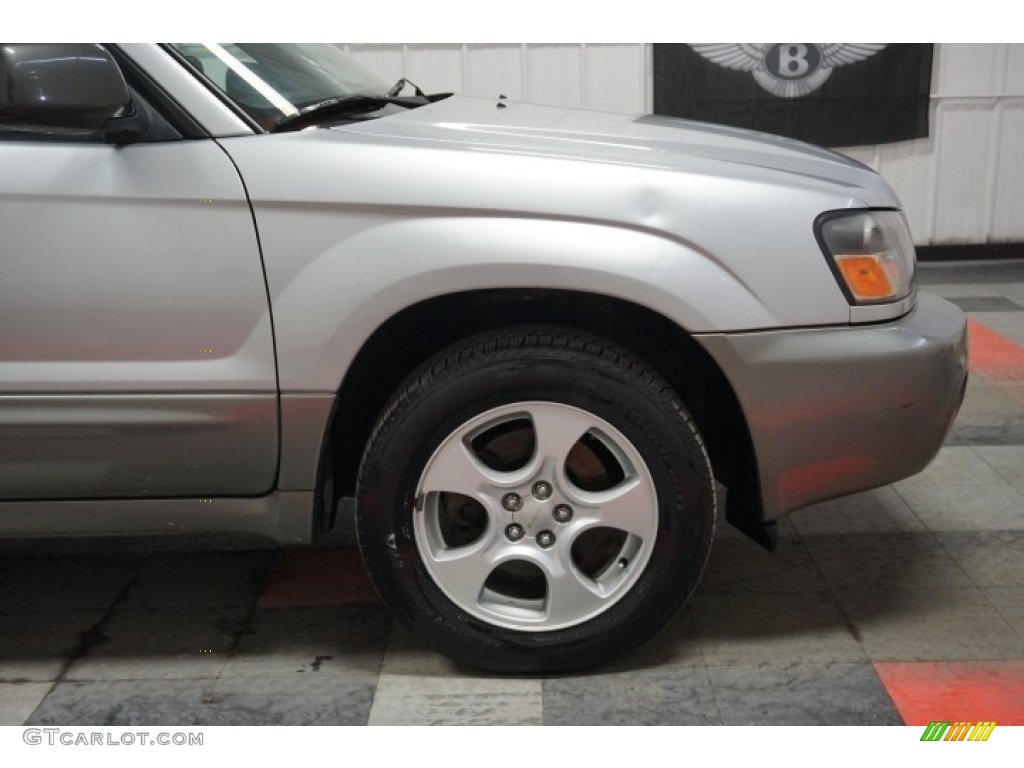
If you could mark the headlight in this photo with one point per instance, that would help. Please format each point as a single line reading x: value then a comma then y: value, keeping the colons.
x: 870, y: 252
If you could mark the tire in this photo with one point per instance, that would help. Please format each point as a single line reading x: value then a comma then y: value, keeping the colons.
x: 535, y: 500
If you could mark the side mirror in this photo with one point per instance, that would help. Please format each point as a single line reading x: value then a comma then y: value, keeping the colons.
x: 60, y: 89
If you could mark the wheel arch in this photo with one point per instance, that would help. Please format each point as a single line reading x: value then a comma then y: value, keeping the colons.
x: 414, y: 334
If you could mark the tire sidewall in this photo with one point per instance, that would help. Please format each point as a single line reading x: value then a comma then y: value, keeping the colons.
x: 648, y: 415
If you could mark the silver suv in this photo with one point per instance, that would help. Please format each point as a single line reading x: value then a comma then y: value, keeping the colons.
x: 538, y: 346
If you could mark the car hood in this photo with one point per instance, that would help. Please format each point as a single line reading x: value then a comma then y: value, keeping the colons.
x: 486, y: 125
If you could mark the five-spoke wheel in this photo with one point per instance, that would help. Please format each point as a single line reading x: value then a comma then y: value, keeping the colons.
x: 536, y: 516
x: 535, y: 500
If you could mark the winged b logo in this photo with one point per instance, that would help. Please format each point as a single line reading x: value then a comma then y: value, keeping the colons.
x: 788, y: 70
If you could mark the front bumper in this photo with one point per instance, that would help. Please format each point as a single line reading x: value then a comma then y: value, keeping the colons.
x: 833, y: 411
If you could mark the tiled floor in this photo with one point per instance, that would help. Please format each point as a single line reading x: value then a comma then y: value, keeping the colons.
x: 902, y: 604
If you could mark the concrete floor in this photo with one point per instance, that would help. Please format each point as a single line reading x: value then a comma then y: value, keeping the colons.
x: 901, y: 605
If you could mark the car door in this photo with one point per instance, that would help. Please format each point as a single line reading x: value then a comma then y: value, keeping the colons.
x: 136, y: 347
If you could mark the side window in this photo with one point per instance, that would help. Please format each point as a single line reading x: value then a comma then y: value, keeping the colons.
x: 73, y: 92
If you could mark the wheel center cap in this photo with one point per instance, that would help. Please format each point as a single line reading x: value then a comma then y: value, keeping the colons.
x: 532, y: 516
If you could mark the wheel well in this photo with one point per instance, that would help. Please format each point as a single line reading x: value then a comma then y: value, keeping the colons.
x: 415, y: 334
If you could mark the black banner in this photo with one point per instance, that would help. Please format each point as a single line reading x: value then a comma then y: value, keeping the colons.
x: 833, y: 94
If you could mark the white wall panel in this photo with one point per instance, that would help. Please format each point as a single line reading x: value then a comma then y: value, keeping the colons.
x: 615, y: 78
x: 1014, y: 69
x: 967, y: 69
x: 492, y: 70
x: 1008, y: 209
x: 554, y: 75
x: 962, y: 195
x: 440, y: 65
x: 386, y: 61
x: 964, y: 183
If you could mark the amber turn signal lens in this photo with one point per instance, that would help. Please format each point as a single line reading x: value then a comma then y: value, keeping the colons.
x: 866, y: 277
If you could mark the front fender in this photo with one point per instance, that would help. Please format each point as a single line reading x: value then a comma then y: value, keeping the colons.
x: 352, y: 280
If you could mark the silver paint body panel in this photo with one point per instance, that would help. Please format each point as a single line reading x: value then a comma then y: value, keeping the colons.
x: 129, y: 269
x: 838, y: 410
x: 283, y: 516
x: 686, y: 219
x: 131, y: 277
x: 134, y: 298
x: 127, y: 446
x: 304, y: 421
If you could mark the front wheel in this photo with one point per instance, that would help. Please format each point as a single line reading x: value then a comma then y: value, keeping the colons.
x: 535, y: 500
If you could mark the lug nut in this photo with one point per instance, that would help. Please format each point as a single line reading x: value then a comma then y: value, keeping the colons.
x: 542, y: 490
x: 513, y: 502
x: 562, y: 513
x: 545, y: 539
x: 514, y: 532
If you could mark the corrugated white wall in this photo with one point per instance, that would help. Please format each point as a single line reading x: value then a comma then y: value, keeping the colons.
x: 963, y: 184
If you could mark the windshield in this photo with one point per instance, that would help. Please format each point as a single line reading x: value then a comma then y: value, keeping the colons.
x: 274, y: 81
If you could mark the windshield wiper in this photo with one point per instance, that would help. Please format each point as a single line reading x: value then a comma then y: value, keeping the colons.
x: 396, y: 89
x: 340, y: 105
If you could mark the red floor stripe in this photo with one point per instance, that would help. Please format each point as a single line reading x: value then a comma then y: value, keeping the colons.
x: 968, y: 691
x: 317, y: 576
x: 994, y: 356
